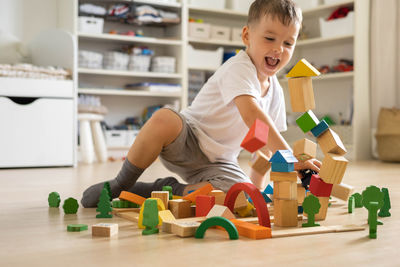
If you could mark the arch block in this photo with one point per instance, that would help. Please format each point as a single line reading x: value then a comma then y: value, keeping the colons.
x: 217, y: 221
x: 256, y: 197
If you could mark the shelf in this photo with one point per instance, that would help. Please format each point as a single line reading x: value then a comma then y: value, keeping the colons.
x: 321, y: 40
x: 129, y: 73
x: 223, y: 12
x: 129, y: 39
x: 125, y: 92
x: 202, y: 69
x: 329, y: 76
x: 158, y: 3
x: 323, y: 9
x: 216, y: 42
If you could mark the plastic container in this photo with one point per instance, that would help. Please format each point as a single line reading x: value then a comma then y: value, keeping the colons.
x: 214, y: 4
x: 139, y: 63
x: 89, y: 59
x: 239, y: 5
x: 205, y: 59
x: 337, y: 27
x: 163, y: 64
x: 90, y: 25
x: 220, y: 33
x: 199, y: 30
x: 115, y: 61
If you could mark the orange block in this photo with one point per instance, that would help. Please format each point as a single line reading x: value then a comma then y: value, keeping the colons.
x: 131, y: 197
x: 201, y: 191
x: 251, y: 230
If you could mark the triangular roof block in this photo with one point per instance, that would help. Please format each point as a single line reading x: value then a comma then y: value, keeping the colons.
x: 283, y: 156
x: 303, y: 69
x: 269, y: 189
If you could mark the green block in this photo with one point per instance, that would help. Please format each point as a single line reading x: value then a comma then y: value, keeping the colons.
x: 351, y: 205
x: 307, y: 121
x: 121, y: 204
x: 358, y: 200
x: 150, y: 217
x: 328, y: 120
x: 77, y: 227
x: 54, y: 200
x: 311, y: 207
x: 384, y: 211
x: 104, y: 206
x: 169, y: 189
x: 218, y: 221
x: 70, y: 206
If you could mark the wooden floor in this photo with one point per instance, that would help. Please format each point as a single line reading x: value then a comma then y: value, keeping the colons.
x: 31, y: 234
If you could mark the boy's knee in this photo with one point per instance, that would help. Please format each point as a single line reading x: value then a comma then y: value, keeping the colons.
x: 168, y: 123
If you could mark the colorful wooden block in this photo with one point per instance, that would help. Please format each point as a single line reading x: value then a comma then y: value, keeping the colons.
x: 105, y: 229
x: 219, y: 196
x: 330, y: 142
x: 251, y: 230
x: 180, y: 208
x: 333, y: 168
x: 256, y: 137
x: 269, y: 189
x: 304, y: 149
x: 217, y: 221
x: 301, y: 94
x: 160, y: 206
x: 219, y: 210
x: 163, y: 195
x: 301, y: 194
x: 321, y: 215
x: 320, y: 128
x: 351, y: 205
x: 319, y: 188
x: 184, y: 229
x: 285, y: 190
x: 201, y: 191
x: 128, y: 196
x: 303, y: 69
x: 260, y: 163
x: 285, y: 212
x: 204, y: 204
x: 166, y: 216
x: 342, y: 191
x: 246, y: 211
x: 241, y: 201
x: 283, y: 161
x: 307, y: 121
x: 282, y: 167
x: 283, y: 176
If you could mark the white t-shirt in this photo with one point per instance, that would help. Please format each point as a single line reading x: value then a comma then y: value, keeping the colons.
x: 214, y: 116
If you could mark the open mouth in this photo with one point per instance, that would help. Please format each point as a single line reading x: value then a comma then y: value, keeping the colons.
x: 272, y: 62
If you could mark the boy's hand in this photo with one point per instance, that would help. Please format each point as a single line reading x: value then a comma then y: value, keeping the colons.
x: 312, y: 164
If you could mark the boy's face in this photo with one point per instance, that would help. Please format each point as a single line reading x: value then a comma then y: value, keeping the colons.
x: 270, y: 44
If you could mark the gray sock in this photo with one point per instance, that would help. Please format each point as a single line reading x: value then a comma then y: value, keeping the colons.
x: 145, y: 189
x: 125, y: 179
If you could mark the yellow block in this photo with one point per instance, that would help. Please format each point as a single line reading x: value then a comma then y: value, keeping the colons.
x: 303, y: 69
x: 160, y: 206
x: 246, y: 211
x: 166, y: 215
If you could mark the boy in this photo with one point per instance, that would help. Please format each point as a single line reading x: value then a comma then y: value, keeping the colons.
x: 201, y: 144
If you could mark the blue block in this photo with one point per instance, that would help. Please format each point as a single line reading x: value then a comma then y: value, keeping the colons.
x: 300, y: 209
x: 320, y: 128
x: 283, y: 156
x: 266, y: 198
x: 282, y: 167
x: 269, y: 190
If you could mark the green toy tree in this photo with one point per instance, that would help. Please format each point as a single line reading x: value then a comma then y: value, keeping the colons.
x: 351, y: 204
x: 104, y: 206
x: 150, y: 217
x: 169, y: 189
x: 54, y: 200
x: 70, y: 206
x: 311, y: 207
x: 372, y: 201
x: 107, y: 186
x: 358, y: 200
x: 384, y: 211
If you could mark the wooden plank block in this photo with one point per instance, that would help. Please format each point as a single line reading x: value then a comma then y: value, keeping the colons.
x: 301, y: 194
x: 321, y: 215
x: 285, y: 190
x: 219, y: 196
x: 201, y: 191
x: 105, y: 229
x: 163, y: 195
x: 283, y: 176
x: 184, y: 229
x: 118, y: 210
x: 167, y: 219
x: 301, y: 94
x: 180, y: 208
x: 167, y: 225
x: 316, y: 230
x: 128, y: 196
x: 285, y: 212
x: 130, y: 216
x: 223, y: 211
x: 333, y: 168
x: 304, y: 149
x: 342, y: 191
x: 251, y: 230
x: 259, y: 163
x: 254, y: 220
x: 330, y: 142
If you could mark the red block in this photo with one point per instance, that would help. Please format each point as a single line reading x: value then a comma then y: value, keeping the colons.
x: 257, y: 136
x: 319, y: 188
x: 204, y: 204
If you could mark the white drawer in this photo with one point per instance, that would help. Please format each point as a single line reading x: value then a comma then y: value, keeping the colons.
x: 36, y: 134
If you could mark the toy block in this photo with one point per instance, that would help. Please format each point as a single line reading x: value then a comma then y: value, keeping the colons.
x: 163, y: 195
x: 176, y: 197
x: 77, y: 227
x: 180, y: 208
x: 166, y: 216
x: 167, y: 225
x: 222, y: 211
x: 333, y: 168
x: 283, y: 156
x: 311, y: 207
x: 260, y: 163
x: 301, y: 94
x: 269, y: 189
x: 282, y: 167
x: 104, y: 206
x: 330, y: 142
x: 132, y: 216
x: 121, y: 210
x: 219, y: 196
x: 373, y: 219
x: 150, y: 217
x: 241, y: 201
x: 372, y: 194
x: 317, y: 230
x: 304, y: 149
x: 204, y: 204
x: 246, y: 211
x: 358, y: 200
x: 342, y: 191
x: 351, y: 205
x: 384, y: 211
x: 70, y: 206
x: 160, y: 206
x: 285, y: 190
x: 285, y: 212
x: 169, y: 189
x: 105, y: 229
x: 283, y: 176
x: 251, y: 230
x: 301, y: 194
x: 217, y: 221
x: 321, y: 215
x: 319, y: 188
x: 320, y: 128
x: 123, y: 204
x: 54, y: 200
x: 307, y: 121
x: 303, y: 69
x: 193, y: 210
x: 256, y: 137
x: 266, y: 198
x: 201, y: 191
x: 128, y: 196
x: 184, y: 229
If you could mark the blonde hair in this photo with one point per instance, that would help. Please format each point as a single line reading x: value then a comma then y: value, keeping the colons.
x: 285, y: 10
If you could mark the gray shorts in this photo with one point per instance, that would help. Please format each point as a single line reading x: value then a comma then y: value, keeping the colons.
x: 185, y: 158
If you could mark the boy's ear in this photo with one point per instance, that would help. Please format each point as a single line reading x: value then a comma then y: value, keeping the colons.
x: 245, y: 35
